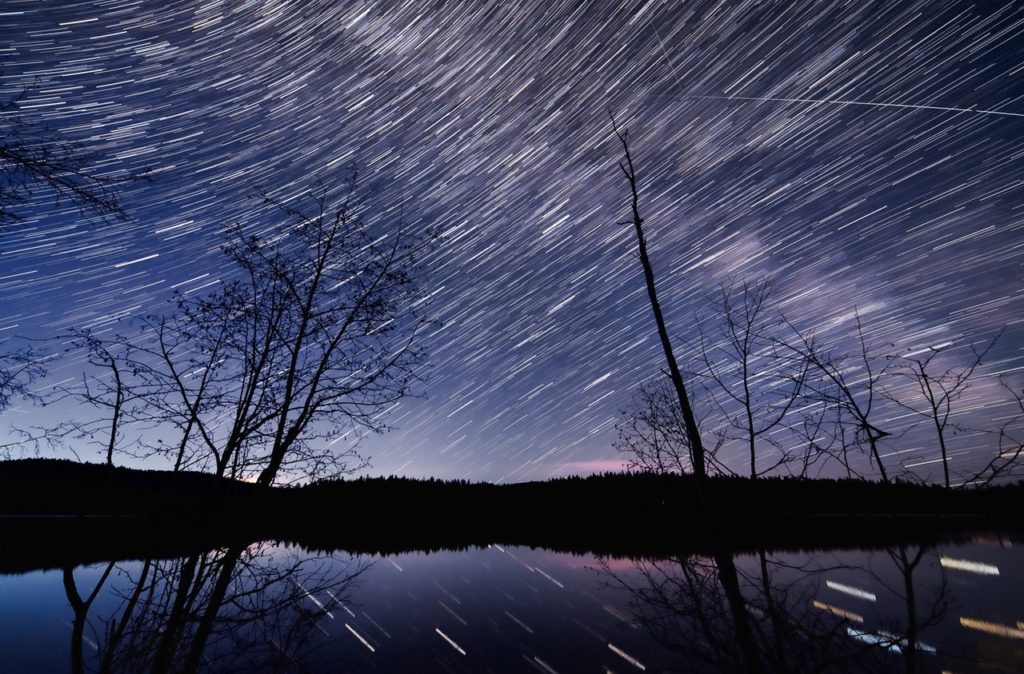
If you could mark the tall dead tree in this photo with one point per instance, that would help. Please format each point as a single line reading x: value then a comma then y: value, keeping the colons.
x: 694, y: 442
x: 723, y: 559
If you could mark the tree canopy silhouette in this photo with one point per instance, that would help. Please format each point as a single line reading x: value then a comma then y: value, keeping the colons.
x: 309, y: 336
x: 317, y: 335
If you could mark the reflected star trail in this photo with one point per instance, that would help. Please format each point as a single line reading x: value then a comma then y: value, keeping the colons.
x: 866, y: 155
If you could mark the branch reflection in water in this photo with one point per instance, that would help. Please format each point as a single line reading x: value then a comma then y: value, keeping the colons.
x: 916, y: 607
x: 252, y: 608
x: 800, y: 618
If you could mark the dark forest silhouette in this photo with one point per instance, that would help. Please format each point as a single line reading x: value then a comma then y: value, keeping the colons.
x: 88, y: 512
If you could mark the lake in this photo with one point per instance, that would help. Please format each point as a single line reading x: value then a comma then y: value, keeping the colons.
x: 953, y: 607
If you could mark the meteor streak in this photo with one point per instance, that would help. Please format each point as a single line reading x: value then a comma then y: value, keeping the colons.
x: 820, y: 101
x: 840, y: 101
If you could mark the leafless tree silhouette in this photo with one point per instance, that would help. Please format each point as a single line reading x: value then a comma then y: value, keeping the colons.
x: 937, y: 391
x: 694, y: 443
x: 106, y: 385
x: 313, y: 337
x: 252, y: 608
x: 753, y: 387
x: 1009, y: 456
x: 19, y: 369
x: 848, y: 384
x: 682, y: 601
x: 652, y: 435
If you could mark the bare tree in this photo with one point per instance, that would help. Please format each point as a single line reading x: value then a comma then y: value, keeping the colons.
x: 80, y: 607
x: 916, y: 621
x: 698, y: 458
x: 19, y: 369
x: 850, y: 384
x: 653, y: 434
x: 753, y: 387
x: 105, y: 386
x: 181, y: 368
x: 694, y: 442
x: 824, y: 435
x: 1009, y: 457
x: 684, y: 603
x: 314, y: 337
x: 938, y: 390
x: 243, y: 608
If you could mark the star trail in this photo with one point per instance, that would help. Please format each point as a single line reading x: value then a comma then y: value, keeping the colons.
x: 866, y: 155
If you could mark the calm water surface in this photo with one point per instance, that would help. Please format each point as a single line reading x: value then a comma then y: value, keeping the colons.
x: 948, y: 608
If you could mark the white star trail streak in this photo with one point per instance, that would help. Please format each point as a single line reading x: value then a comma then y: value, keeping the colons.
x: 626, y: 656
x: 360, y: 637
x: 449, y: 640
x: 868, y: 155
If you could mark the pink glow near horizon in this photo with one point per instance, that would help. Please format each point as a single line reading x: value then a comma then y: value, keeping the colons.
x: 589, y: 467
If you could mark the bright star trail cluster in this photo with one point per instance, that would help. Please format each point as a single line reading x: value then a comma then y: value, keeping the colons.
x: 867, y: 155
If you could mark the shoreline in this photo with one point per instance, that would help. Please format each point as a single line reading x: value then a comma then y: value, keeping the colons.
x: 55, y: 513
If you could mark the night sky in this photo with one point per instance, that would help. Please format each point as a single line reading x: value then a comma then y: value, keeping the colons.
x: 902, y: 197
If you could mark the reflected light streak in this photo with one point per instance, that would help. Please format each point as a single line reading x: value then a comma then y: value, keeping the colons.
x: 835, y: 610
x: 992, y: 628
x: 969, y: 566
x: 888, y: 640
x: 850, y: 590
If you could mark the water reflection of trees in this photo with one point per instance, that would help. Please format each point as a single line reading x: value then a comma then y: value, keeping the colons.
x: 688, y: 606
x: 255, y: 608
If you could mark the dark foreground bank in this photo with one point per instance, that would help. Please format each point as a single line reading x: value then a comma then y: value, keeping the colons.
x: 57, y: 512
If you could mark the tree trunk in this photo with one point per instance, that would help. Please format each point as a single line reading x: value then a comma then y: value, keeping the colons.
x: 942, y: 446
x: 692, y: 432
x: 206, y: 623
x: 878, y: 458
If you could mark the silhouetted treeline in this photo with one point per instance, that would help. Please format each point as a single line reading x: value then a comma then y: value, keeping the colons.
x: 118, y: 512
